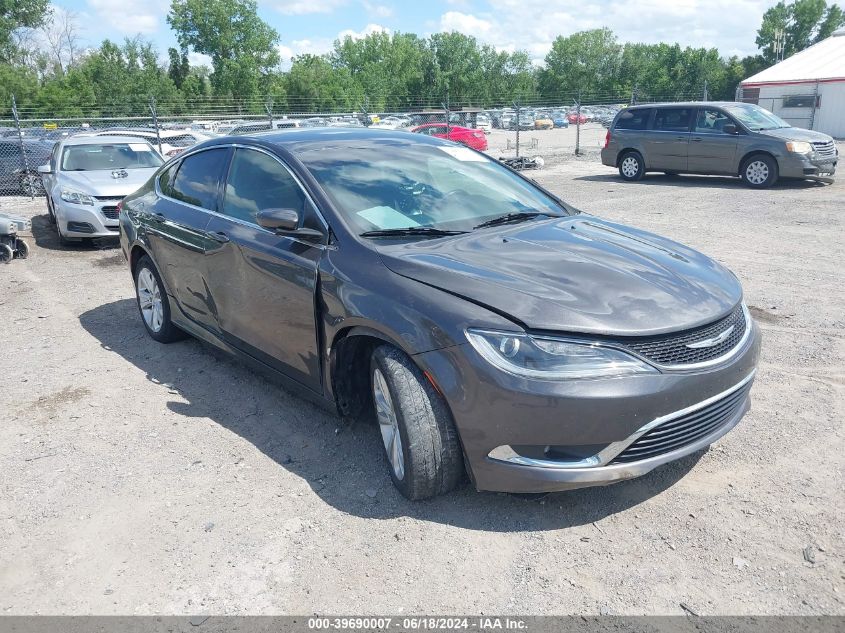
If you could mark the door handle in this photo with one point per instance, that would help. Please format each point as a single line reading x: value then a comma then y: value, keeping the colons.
x: 680, y: 138
x: 697, y: 139
x: 219, y: 236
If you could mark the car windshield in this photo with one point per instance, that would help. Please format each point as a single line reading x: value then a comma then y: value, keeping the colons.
x: 754, y: 117
x: 97, y: 157
x: 379, y: 186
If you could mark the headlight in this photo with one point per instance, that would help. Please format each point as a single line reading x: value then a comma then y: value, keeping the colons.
x: 799, y: 147
x: 76, y: 198
x: 545, y: 358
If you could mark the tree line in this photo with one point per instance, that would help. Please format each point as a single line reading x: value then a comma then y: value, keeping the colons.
x: 43, y: 63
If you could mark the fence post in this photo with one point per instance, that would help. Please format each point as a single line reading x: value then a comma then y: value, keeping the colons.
x: 634, y: 95
x: 738, y: 93
x: 815, y: 104
x: 705, y: 91
x: 268, y: 107
x: 445, y: 105
x: 517, y: 107
x: 578, y: 125
x: 155, y: 123
x: 27, y: 176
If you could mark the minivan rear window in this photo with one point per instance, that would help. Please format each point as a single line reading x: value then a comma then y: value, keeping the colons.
x: 634, y: 119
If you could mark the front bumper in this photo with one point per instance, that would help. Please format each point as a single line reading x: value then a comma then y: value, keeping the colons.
x: 808, y: 166
x: 492, y: 410
x: 100, y: 220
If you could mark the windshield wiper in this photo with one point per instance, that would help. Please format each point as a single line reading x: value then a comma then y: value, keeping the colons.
x: 411, y: 230
x: 515, y: 217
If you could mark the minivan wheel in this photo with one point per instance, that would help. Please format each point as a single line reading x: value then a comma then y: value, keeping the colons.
x: 759, y: 171
x: 631, y: 166
x: 153, y: 303
x: 420, y: 440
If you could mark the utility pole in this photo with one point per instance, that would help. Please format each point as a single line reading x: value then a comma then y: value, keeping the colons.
x: 705, y: 91
x: 155, y: 123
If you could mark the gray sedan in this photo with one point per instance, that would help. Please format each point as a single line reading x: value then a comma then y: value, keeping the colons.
x: 86, y: 179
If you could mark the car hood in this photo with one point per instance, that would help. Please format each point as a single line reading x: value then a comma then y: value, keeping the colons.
x: 102, y: 183
x: 797, y: 134
x: 578, y: 274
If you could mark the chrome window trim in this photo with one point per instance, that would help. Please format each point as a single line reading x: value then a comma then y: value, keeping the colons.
x: 506, y: 453
x: 187, y: 154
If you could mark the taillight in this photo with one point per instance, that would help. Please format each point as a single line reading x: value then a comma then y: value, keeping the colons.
x: 173, y: 152
x: 478, y: 134
x: 120, y: 206
x: 607, y: 139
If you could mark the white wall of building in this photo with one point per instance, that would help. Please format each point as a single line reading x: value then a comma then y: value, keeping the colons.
x: 828, y: 118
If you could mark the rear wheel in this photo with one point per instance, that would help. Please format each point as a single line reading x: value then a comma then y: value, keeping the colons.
x: 631, y: 166
x: 6, y: 254
x: 420, y: 440
x: 153, y: 303
x: 759, y: 171
x: 21, y: 249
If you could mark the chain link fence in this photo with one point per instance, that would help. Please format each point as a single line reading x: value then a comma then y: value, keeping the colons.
x: 516, y: 130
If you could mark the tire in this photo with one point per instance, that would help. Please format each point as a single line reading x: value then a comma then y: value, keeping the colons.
x: 21, y: 249
x: 153, y: 303
x: 63, y: 241
x: 51, y: 216
x: 759, y: 171
x: 6, y: 254
x: 631, y: 166
x: 427, y: 460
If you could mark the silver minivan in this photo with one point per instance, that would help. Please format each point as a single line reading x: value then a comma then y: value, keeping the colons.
x: 727, y: 139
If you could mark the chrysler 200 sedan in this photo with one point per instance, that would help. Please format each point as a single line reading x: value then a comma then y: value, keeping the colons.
x: 484, y: 324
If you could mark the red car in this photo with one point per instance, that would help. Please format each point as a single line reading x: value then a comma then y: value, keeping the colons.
x: 464, y: 135
x: 573, y: 117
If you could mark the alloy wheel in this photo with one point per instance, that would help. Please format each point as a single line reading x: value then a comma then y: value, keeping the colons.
x: 149, y: 299
x: 757, y: 172
x: 388, y: 424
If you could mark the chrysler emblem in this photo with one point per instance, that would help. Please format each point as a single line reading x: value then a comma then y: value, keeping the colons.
x: 119, y: 173
x: 712, y: 342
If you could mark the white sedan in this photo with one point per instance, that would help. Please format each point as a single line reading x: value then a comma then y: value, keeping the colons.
x: 88, y: 176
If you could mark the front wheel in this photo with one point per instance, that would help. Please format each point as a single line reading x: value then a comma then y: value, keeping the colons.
x: 420, y: 440
x: 759, y: 171
x: 153, y: 303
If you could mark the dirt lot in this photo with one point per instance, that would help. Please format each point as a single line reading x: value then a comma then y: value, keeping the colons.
x: 137, y: 478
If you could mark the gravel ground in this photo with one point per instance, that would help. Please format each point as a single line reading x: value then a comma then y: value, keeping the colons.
x: 137, y: 478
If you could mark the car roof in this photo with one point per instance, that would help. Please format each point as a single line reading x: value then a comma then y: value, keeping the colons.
x: 97, y: 140
x: 683, y: 104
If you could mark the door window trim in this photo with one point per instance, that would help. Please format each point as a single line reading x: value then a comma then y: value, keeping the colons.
x: 220, y: 191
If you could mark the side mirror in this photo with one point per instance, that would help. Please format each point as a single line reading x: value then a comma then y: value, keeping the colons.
x: 730, y: 128
x: 44, y: 169
x: 285, y: 222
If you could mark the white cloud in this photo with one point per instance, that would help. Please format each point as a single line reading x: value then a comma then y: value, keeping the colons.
x: 377, y: 10
x: 359, y: 35
x: 306, y: 7
x: 129, y: 19
x: 199, y: 59
x: 696, y: 23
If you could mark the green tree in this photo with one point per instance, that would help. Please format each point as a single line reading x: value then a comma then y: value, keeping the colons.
x: 587, y: 61
x: 19, y: 14
x: 179, y: 68
x: 241, y: 45
x: 803, y: 23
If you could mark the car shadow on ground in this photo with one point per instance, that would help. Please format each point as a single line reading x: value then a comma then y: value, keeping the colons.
x: 710, y: 182
x: 343, y: 464
x: 45, y: 236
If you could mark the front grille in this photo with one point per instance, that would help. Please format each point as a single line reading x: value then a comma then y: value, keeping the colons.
x: 671, y: 349
x: 685, y: 429
x: 110, y: 212
x: 824, y: 149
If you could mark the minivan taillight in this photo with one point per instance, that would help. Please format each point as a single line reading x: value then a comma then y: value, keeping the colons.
x: 607, y: 139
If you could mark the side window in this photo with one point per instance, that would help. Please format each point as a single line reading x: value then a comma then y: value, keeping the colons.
x: 673, y: 119
x: 165, y: 180
x: 711, y: 121
x: 256, y: 182
x: 197, y: 178
x: 634, y: 119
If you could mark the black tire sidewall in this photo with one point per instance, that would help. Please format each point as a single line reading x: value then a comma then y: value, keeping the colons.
x: 377, y: 362
x: 640, y: 166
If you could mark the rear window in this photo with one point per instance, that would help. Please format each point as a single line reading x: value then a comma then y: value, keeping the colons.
x: 634, y: 119
x: 197, y: 178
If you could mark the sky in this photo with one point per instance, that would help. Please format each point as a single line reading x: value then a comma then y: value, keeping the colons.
x: 311, y: 26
